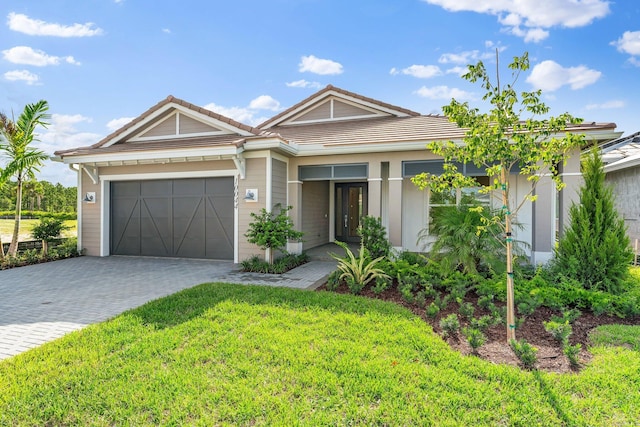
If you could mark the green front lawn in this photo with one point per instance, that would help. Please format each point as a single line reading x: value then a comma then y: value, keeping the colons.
x: 6, y: 229
x: 222, y: 354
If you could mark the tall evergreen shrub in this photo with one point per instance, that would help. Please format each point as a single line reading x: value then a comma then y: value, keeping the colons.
x: 595, y: 249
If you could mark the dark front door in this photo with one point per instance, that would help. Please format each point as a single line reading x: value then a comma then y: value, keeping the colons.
x: 351, y: 206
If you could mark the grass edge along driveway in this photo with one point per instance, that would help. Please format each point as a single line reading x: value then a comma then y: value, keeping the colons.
x: 223, y: 354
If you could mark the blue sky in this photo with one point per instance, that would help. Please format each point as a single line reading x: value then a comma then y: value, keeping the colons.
x: 100, y: 63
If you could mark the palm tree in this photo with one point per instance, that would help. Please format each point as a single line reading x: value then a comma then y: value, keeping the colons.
x: 22, y: 160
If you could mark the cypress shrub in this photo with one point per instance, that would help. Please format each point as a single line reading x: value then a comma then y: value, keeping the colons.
x: 595, y: 249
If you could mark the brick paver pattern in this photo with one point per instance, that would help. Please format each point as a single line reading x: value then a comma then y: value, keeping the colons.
x: 42, y: 302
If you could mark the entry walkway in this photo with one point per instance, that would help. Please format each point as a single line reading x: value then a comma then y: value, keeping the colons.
x: 42, y: 302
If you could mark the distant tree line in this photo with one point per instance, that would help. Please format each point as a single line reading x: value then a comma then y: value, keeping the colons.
x: 39, y: 196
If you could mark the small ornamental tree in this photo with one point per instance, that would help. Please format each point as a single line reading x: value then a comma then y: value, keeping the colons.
x: 499, y: 141
x: 595, y: 249
x: 271, y: 231
x: 47, y: 229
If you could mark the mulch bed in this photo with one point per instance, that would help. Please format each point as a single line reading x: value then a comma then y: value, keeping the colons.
x: 496, y: 349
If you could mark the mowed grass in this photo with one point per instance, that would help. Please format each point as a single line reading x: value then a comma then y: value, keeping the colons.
x: 26, y: 225
x: 223, y: 354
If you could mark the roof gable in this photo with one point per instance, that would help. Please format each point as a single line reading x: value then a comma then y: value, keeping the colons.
x: 173, y: 119
x: 334, y: 104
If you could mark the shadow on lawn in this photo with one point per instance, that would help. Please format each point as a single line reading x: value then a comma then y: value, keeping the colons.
x: 191, y: 303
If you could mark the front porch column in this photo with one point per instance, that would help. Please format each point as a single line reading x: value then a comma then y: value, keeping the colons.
x: 374, y: 189
x: 572, y: 177
x: 294, y: 199
x: 395, y: 204
x: 544, y: 220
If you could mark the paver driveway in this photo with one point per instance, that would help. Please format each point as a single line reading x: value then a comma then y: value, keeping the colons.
x: 42, y: 302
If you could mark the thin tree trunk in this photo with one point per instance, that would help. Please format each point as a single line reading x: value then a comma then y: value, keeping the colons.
x: 13, y: 247
x: 511, y: 324
x: 1, y: 250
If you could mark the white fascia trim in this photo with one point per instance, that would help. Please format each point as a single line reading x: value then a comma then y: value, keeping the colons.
x: 270, y: 144
x: 629, y: 162
x: 154, y: 155
x: 169, y: 175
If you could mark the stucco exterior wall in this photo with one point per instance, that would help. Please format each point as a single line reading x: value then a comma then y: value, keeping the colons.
x: 625, y: 184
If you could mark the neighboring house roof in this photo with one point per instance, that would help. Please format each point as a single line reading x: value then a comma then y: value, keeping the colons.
x: 621, y: 153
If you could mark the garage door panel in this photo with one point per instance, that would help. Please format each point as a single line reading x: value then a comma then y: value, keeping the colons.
x: 191, y: 218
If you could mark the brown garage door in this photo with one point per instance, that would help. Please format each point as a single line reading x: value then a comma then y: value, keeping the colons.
x: 189, y: 218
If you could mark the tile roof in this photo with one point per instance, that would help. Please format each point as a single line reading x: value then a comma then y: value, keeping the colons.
x: 389, y: 130
x: 386, y: 129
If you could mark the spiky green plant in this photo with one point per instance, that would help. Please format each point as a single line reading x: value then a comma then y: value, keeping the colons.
x: 357, y: 271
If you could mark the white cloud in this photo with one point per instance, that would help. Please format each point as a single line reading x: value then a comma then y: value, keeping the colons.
x: 606, y: 105
x: 458, y: 70
x: 28, y: 56
x: 550, y: 76
x: 629, y: 43
x: 62, y: 133
x: 444, y: 92
x: 264, y: 102
x: 534, y: 15
x: 116, y: 124
x: 22, y: 75
x: 319, y: 66
x: 239, y: 114
x: 464, y: 58
x: 422, y: 71
x: 35, y: 27
x: 166, y: 31
x: 304, y: 84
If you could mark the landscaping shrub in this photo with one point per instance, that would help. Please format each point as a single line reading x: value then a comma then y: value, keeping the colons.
x: 572, y: 352
x: 464, y: 240
x: 255, y: 264
x: 450, y: 325
x: 559, y: 331
x: 466, y: 310
x: 525, y: 352
x: 595, y: 249
x: 270, y: 230
x: 474, y: 337
x: 374, y: 237
x: 381, y: 284
x: 47, y: 229
x: 357, y: 272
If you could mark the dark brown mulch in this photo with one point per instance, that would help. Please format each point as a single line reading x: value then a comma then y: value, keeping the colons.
x: 496, y: 349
